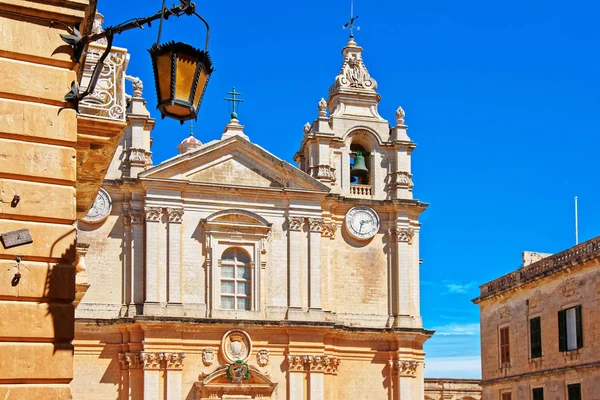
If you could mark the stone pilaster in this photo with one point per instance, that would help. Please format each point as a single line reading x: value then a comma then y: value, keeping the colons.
x: 402, y: 377
x: 174, y: 249
x: 174, y: 366
x: 153, y: 217
x: 316, y: 366
x: 314, y: 263
x: 401, y: 286
x: 295, y: 225
x: 137, y: 218
x: 132, y: 376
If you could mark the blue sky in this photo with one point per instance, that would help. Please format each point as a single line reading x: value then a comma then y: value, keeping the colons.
x: 501, y: 99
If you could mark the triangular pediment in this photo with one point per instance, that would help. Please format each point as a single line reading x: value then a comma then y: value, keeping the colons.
x: 234, y: 162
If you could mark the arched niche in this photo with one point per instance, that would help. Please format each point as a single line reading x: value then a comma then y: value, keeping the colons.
x: 217, y: 386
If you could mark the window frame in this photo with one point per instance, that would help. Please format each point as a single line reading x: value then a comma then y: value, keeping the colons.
x: 564, y: 333
x: 506, y: 396
x: 569, y: 385
x: 532, y: 346
x: 537, y: 390
x: 501, y: 346
x: 235, y: 264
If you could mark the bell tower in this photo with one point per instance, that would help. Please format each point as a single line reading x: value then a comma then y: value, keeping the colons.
x: 353, y: 149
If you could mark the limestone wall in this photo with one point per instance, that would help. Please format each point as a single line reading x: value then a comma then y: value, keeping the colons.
x: 38, y: 135
x: 577, y: 284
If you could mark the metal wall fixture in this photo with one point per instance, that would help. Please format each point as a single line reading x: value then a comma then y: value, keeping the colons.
x: 181, y: 72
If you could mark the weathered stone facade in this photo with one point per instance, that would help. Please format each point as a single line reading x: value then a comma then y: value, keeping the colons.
x: 452, y: 389
x: 551, y: 310
x: 44, y: 161
x: 225, y: 237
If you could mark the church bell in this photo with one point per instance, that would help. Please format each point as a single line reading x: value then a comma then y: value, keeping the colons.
x: 359, y: 169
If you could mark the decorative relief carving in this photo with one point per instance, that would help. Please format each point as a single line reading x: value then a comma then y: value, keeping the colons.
x: 504, y: 312
x: 405, y: 235
x: 175, y: 360
x: 406, y: 368
x: 322, y: 108
x: 313, y: 363
x: 354, y: 74
x: 137, y: 156
x: 153, y: 214
x: 152, y: 360
x: 323, y: 172
x: 262, y: 357
x: 295, y: 223
x: 101, y: 208
x: 130, y: 361
x: 315, y: 224
x: 137, y: 217
x: 208, y: 356
x: 175, y: 215
x: 328, y: 230
x: 401, y: 179
x: 569, y: 287
x: 535, y: 300
x: 236, y: 345
x: 136, y: 84
x: 156, y: 360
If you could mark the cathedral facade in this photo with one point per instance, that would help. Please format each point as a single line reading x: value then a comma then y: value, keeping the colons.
x: 227, y: 273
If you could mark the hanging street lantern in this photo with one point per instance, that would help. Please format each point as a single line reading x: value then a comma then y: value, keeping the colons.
x: 181, y: 71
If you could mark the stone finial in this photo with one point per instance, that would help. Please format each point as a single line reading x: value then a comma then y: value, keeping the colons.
x: 306, y: 128
x: 234, y: 129
x: 322, y: 108
x: 97, y: 28
x: 400, y: 114
x: 137, y: 85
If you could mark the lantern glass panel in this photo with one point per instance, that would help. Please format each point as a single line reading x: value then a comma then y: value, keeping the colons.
x: 202, y: 80
x: 163, y: 64
x: 186, y: 72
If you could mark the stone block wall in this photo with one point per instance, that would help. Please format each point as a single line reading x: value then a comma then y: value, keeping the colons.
x: 578, y: 283
x: 38, y: 135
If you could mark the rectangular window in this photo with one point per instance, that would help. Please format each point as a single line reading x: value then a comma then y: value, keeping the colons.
x: 506, y: 396
x: 535, y: 337
x: 504, y: 346
x: 570, y: 332
x: 574, y: 391
x: 537, y: 394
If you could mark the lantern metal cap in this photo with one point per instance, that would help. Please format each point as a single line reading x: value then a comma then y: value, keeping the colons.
x: 173, y: 46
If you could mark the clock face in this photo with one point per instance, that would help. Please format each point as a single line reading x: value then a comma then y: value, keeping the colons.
x: 362, y: 222
x: 101, y: 208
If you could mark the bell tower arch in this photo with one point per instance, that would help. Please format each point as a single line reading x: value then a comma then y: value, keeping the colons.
x: 352, y: 148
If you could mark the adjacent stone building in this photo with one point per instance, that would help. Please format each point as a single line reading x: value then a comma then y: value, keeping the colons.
x: 52, y: 163
x: 225, y: 272
x: 540, y: 328
x: 452, y: 389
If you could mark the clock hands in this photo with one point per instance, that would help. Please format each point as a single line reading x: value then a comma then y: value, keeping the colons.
x: 362, y: 222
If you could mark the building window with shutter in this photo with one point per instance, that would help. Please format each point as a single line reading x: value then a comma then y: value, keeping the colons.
x: 535, y: 337
x: 235, y: 279
x: 537, y: 394
x: 570, y: 332
x: 506, y: 396
x: 574, y: 391
x: 504, y: 347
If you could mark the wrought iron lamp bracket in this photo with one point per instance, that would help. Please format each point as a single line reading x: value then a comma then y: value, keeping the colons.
x: 79, y: 42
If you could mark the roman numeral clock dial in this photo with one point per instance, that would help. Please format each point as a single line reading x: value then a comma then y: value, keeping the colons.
x: 362, y: 222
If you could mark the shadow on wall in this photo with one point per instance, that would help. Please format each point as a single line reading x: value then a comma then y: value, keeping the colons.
x: 59, y: 292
